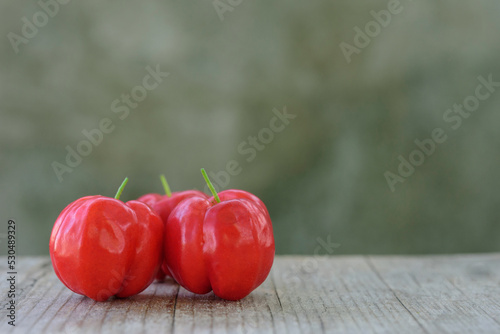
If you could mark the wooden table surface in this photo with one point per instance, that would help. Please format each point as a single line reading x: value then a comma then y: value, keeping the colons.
x: 341, y: 294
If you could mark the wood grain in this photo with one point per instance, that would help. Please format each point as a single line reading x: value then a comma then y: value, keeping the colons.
x: 342, y: 294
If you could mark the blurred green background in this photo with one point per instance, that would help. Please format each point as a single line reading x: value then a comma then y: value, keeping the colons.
x: 322, y: 177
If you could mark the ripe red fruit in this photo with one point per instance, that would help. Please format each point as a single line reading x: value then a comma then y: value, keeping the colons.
x: 101, y: 247
x: 163, y: 205
x: 224, y: 243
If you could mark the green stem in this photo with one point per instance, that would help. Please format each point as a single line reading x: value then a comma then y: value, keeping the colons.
x: 120, y: 190
x: 165, y: 185
x: 210, y: 185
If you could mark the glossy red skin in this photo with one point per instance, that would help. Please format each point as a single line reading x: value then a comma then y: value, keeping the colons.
x: 101, y: 247
x: 150, y: 199
x: 227, y: 247
x: 163, y: 205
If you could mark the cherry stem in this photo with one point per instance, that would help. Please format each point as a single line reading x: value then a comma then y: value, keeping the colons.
x: 165, y: 185
x: 120, y: 190
x: 210, y: 185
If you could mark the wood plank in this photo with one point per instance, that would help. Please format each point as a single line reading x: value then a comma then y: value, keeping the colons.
x: 208, y: 313
x: 29, y: 271
x: 345, y: 294
x: 427, y: 286
x: 340, y: 294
